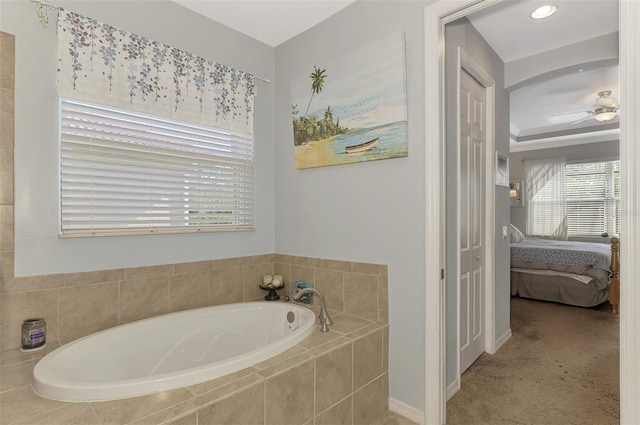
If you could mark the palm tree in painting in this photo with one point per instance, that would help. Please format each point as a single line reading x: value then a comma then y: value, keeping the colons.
x: 328, y: 114
x: 317, y: 78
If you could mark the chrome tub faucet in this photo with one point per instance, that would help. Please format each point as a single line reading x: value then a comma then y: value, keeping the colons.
x: 323, y: 317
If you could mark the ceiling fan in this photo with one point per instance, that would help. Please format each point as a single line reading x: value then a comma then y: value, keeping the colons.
x: 605, y: 109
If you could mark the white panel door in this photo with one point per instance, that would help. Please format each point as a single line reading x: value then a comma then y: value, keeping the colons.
x: 471, y: 212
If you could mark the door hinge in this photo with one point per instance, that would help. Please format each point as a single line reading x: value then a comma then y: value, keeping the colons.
x: 441, y: 273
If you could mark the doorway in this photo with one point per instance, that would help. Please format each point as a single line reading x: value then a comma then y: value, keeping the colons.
x: 436, y: 16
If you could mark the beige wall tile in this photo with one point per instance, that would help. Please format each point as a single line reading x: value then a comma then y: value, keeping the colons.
x: 7, y: 115
x: 383, y: 315
x: 334, y: 374
x: 32, y: 283
x: 196, y: 266
x: 318, y: 338
x: 289, y: 398
x: 343, y: 266
x: 361, y: 295
x: 305, y: 274
x: 99, y: 276
x: 260, y: 259
x: 17, y: 307
x: 368, y: 404
x: 286, y: 259
x: 383, y: 290
x: 16, y: 375
x: 236, y: 379
x: 385, y: 392
x: 244, y: 407
x: 131, y: 409
x: 226, y: 286
x: 148, y: 271
x: 191, y: 419
x: 368, y: 268
x: 6, y: 185
x: 284, y: 270
x: 371, y: 327
x: 252, y: 278
x: 229, y: 263
x: 71, y: 414
x: 6, y: 267
x: 190, y: 290
x: 232, y: 387
x: 13, y: 356
x: 339, y: 414
x: 176, y: 415
x: 282, y: 367
x: 6, y: 228
x: 7, y: 60
x: 284, y: 357
x: 330, y: 283
x: 87, y: 309
x: 368, y: 352
x: 22, y: 403
x: 143, y: 298
x: 6, y: 154
x: 346, y: 324
x: 309, y: 262
x: 385, y: 348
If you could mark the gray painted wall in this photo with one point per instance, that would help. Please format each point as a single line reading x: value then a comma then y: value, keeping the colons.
x: 371, y: 212
x: 582, y: 153
x: 462, y: 34
x: 37, y: 247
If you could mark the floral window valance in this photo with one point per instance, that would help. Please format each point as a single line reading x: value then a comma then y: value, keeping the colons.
x: 103, y: 64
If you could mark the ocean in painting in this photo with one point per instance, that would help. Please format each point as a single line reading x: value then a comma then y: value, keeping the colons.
x: 331, y: 151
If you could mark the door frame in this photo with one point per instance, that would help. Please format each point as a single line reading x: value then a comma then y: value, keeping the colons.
x: 437, y: 15
x: 466, y: 62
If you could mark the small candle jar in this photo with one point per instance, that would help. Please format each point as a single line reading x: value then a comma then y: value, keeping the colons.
x: 34, y: 334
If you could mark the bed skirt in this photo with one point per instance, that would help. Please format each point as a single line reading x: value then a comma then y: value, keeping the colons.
x: 557, y: 288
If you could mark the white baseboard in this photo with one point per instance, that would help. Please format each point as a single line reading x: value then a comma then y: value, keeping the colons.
x: 504, y: 338
x: 453, y: 388
x: 406, y: 411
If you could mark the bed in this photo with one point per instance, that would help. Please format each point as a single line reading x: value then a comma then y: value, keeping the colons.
x: 576, y: 273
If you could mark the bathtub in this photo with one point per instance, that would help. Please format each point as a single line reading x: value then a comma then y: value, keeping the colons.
x: 170, y: 351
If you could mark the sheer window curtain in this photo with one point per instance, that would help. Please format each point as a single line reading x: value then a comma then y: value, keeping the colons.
x: 546, y: 198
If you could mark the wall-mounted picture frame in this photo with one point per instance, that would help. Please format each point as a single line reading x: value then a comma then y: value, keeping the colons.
x: 352, y: 108
x: 502, y: 170
x: 516, y: 193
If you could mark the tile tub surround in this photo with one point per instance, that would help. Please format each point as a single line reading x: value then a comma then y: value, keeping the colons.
x: 325, y: 379
x: 78, y: 304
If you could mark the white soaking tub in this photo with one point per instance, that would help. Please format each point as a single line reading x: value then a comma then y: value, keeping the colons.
x: 170, y: 351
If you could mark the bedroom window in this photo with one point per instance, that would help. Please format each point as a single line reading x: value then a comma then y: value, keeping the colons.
x: 593, y: 198
x: 125, y: 172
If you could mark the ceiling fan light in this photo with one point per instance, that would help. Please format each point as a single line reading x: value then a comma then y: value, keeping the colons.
x: 544, y: 11
x: 604, y: 114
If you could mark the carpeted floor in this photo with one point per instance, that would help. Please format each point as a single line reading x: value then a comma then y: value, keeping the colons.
x: 559, y: 367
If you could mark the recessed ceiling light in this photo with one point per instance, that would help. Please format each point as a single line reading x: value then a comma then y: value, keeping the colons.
x: 544, y: 11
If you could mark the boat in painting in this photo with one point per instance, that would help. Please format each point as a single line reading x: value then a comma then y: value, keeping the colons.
x: 362, y: 146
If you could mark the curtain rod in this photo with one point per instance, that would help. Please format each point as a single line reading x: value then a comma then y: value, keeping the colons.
x: 44, y: 5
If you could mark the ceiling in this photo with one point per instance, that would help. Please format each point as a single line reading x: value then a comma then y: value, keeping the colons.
x: 272, y: 22
x: 551, y: 109
x: 538, y: 109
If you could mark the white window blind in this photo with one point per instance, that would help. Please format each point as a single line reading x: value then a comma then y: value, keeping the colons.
x: 125, y: 172
x: 593, y: 198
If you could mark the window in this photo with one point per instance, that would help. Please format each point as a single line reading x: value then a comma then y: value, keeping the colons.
x: 593, y: 198
x: 125, y: 172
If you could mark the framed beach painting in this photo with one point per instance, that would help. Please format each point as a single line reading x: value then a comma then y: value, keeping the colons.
x: 352, y: 108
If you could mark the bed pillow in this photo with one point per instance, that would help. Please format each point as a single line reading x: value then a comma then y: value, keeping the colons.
x: 515, y: 234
